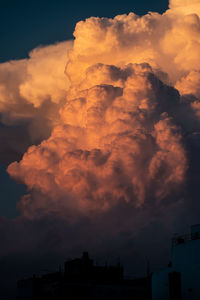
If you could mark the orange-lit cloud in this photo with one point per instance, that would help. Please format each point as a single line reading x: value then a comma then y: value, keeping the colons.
x: 119, y: 135
x: 31, y: 93
x: 181, y: 3
x: 115, y: 144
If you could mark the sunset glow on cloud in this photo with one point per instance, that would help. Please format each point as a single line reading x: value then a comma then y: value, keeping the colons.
x: 118, y: 118
x: 31, y: 91
x: 179, y: 3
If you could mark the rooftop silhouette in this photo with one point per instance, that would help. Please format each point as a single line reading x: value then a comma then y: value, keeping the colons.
x: 82, y: 279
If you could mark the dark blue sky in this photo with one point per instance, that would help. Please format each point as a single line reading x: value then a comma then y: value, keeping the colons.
x: 27, y: 24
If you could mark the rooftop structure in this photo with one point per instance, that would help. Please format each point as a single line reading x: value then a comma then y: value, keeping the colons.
x: 82, y: 279
x: 180, y: 280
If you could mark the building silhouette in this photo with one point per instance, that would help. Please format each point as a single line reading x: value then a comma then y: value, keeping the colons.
x: 181, y: 279
x: 81, y: 279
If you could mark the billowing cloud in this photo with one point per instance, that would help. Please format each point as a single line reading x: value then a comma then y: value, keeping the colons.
x: 117, y: 143
x: 184, y: 7
x: 31, y: 93
x: 122, y: 125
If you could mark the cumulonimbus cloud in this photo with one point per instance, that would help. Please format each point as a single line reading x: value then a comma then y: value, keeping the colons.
x: 119, y: 135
